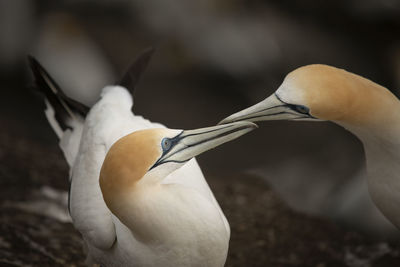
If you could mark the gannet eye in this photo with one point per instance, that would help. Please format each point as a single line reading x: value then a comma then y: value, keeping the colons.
x: 302, y: 109
x: 166, y: 144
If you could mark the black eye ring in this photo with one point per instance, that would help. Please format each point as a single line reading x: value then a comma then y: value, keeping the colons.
x: 166, y: 144
x: 302, y: 109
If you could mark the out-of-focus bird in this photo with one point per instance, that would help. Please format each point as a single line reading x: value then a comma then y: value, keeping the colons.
x: 370, y: 111
x: 61, y: 37
x: 137, y: 195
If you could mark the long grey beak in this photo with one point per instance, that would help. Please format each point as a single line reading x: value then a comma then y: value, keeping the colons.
x: 191, y: 143
x: 271, y: 108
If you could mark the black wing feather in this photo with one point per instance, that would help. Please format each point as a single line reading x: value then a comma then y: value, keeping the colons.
x: 64, y: 106
x: 133, y: 74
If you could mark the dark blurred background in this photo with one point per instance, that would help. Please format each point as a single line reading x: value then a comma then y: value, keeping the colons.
x: 213, y: 58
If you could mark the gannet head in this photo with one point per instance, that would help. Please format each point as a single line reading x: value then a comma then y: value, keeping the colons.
x: 146, y: 157
x: 321, y: 92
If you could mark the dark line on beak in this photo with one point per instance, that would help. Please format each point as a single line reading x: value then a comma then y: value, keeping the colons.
x: 210, y: 131
x: 180, y: 137
x: 207, y: 140
x: 162, y: 160
x: 214, y: 137
x: 174, y: 141
x: 244, y: 116
x: 276, y: 95
x: 174, y: 161
x: 272, y: 114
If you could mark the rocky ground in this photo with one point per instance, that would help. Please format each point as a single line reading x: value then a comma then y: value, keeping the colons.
x: 265, y: 231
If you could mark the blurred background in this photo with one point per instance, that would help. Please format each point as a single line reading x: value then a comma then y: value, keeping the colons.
x: 213, y: 58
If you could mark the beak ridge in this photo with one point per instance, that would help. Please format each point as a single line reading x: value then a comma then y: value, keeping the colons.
x: 191, y: 143
x: 271, y: 107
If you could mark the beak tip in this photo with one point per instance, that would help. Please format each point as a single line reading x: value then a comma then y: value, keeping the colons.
x: 247, y: 123
x: 250, y: 125
x: 244, y: 124
x: 224, y: 121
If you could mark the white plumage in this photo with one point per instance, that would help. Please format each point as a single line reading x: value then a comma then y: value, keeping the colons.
x: 109, y: 120
x: 180, y: 224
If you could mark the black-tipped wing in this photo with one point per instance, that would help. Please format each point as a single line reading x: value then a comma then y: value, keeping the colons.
x: 64, y: 107
x: 132, y: 76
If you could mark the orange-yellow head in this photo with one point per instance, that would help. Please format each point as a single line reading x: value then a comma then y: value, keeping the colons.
x: 146, y: 157
x: 321, y: 92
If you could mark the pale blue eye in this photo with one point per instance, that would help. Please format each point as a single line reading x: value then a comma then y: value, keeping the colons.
x: 302, y: 109
x: 166, y: 144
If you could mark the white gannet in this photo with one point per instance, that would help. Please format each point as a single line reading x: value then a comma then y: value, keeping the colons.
x: 370, y: 111
x: 137, y: 195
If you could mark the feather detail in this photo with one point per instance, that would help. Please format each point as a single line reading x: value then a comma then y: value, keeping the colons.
x: 134, y: 72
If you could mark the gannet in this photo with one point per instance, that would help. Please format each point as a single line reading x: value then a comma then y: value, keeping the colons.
x: 368, y: 110
x: 137, y: 195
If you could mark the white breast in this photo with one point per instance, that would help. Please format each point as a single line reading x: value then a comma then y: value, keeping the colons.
x: 110, y: 119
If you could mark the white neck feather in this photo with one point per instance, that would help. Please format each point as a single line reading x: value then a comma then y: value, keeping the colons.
x: 171, y: 218
x: 382, y: 149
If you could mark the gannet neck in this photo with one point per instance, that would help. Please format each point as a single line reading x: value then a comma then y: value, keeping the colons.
x: 365, y: 108
x: 169, y: 218
x: 173, y: 219
x: 164, y: 217
x: 376, y: 122
x: 383, y: 169
x: 373, y: 115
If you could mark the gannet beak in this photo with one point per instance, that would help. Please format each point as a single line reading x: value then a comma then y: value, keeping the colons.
x: 272, y: 108
x: 191, y: 143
